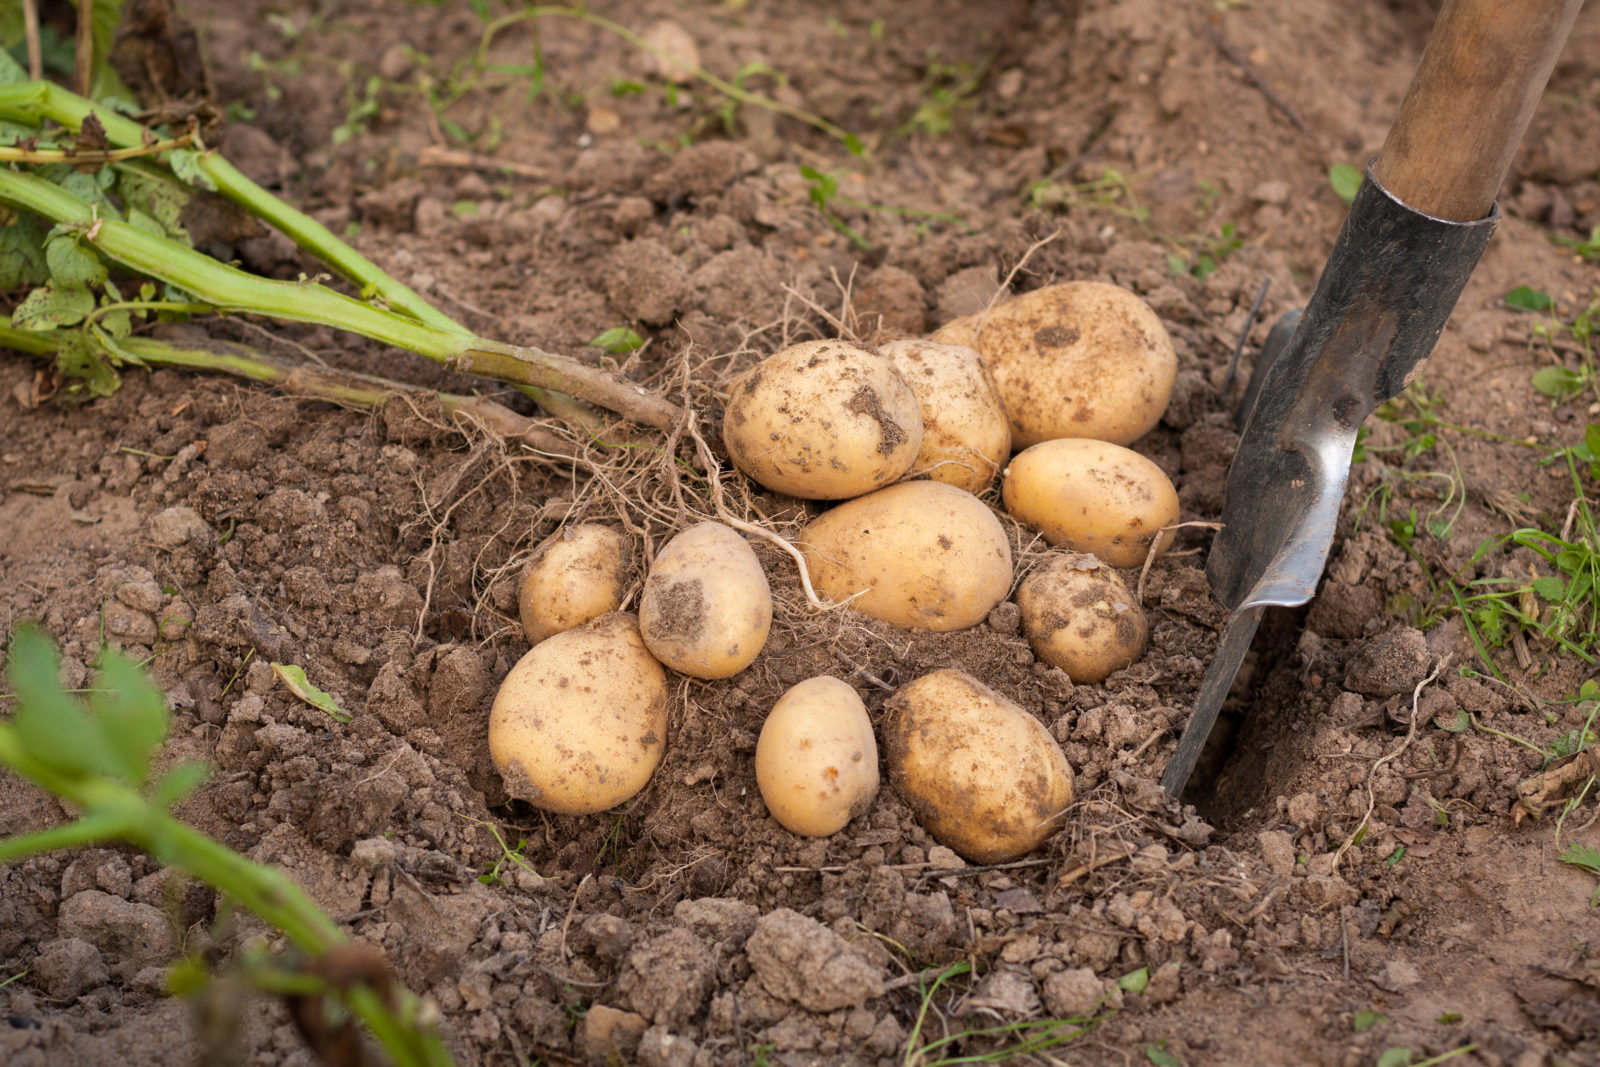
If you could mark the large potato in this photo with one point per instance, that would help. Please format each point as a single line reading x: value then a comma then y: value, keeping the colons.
x: 816, y: 760
x: 580, y: 723
x: 823, y: 420
x: 965, y: 436
x: 981, y: 775
x: 922, y: 554
x: 1079, y: 616
x: 575, y: 576
x: 1092, y: 497
x: 706, y: 607
x: 1080, y: 359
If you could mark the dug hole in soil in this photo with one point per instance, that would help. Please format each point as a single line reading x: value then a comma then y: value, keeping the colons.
x: 213, y: 528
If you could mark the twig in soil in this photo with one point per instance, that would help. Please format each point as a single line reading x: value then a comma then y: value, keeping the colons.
x: 1372, y: 772
x: 1244, y: 334
x: 1150, y: 557
x: 438, y: 156
x: 1255, y: 77
x: 860, y: 671
x: 572, y: 909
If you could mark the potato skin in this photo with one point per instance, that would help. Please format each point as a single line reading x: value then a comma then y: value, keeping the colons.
x: 580, y: 723
x: 1092, y: 497
x: 981, y: 775
x: 966, y: 437
x: 822, y: 420
x: 816, y: 760
x: 707, y: 607
x: 1079, y: 359
x: 575, y: 576
x: 932, y: 556
x: 1079, y: 616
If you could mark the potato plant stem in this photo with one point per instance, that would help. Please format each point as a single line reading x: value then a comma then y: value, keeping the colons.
x: 231, y: 290
x: 320, y: 383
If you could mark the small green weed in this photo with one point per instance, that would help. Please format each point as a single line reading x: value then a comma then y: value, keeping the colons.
x: 823, y: 189
x: 1156, y: 1052
x: 1366, y: 1019
x: 1586, y: 858
x: 1346, y: 181
x: 1402, y: 1057
x: 1584, y: 249
x: 1207, y: 252
x: 947, y: 90
x: 1111, y: 192
x: 618, y: 340
x: 1561, y: 382
x: 507, y: 853
x: 1019, y: 1039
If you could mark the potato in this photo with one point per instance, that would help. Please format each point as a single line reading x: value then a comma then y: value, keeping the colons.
x: 966, y: 438
x: 580, y: 723
x: 816, y: 760
x: 575, y: 576
x: 1092, y: 497
x: 706, y: 607
x: 927, y: 555
x: 1079, y: 616
x: 823, y: 420
x: 1081, y: 359
x: 981, y: 775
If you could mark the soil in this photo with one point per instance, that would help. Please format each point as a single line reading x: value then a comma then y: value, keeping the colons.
x: 213, y: 528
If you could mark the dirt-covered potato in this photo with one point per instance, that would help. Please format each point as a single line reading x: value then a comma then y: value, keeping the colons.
x: 966, y: 438
x: 823, y: 420
x: 577, y: 575
x: 1080, y: 359
x: 921, y: 554
x: 981, y: 775
x: 1079, y: 616
x: 816, y: 760
x: 1092, y: 497
x: 706, y: 607
x: 580, y: 723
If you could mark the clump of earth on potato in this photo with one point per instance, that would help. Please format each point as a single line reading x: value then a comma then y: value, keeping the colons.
x: 580, y: 723
x: 981, y: 775
x: 707, y: 607
x: 1079, y: 615
x: 1079, y: 359
x: 966, y: 437
x: 816, y: 759
x: 823, y: 420
x: 577, y: 575
x: 919, y: 554
x: 1092, y: 497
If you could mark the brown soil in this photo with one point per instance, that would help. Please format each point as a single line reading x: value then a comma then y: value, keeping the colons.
x: 380, y: 552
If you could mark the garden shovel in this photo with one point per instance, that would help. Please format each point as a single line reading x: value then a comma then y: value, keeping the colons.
x: 1413, y: 236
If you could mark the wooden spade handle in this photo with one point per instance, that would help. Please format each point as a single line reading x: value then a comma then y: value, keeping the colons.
x: 1481, y: 75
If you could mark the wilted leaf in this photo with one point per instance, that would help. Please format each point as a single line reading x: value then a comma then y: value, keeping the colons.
x: 48, y: 307
x: 71, y: 264
x: 185, y: 163
x: 295, y: 678
x: 80, y: 358
x: 22, y: 260
x: 156, y: 197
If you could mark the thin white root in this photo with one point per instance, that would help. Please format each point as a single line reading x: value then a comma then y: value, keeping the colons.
x: 1372, y: 773
x: 1150, y: 557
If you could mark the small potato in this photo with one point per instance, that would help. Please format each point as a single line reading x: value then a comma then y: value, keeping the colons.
x: 1092, y: 497
x: 580, y: 723
x: 922, y: 554
x: 965, y: 436
x: 823, y: 420
x: 576, y: 576
x: 1079, y: 616
x: 981, y: 775
x: 816, y: 760
x: 706, y: 607
x: 1080, y: 359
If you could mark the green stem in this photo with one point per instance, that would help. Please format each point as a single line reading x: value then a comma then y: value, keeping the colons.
x: 32, y: 101
x: 232, y: 290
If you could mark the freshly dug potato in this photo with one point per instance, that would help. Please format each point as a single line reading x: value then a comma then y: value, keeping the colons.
x: 580, y: 723
x: 928, y: 555
x: 823, y: 420
x: 816, y: 760
x: 706, y: 607
x: 1092, y: 497
x: 981, y: 775
x: 965, y: 436
x: 1079, y: 616
x: 577, y: 575
x: 1080, y: 359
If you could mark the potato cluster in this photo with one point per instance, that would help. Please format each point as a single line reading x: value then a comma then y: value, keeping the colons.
x: 900, y: 441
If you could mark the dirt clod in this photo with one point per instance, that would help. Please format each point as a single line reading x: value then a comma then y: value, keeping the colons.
x: 798, y: 959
